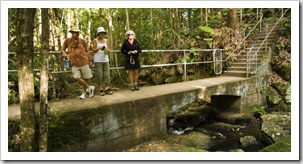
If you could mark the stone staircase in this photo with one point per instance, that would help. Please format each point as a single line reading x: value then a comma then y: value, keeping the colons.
x: 238, y: 66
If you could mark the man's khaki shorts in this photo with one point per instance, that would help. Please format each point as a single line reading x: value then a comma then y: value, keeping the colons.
x: 83, y: 72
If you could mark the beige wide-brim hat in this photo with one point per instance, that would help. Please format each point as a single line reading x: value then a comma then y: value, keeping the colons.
x: 101, y: 30
x: 74, y: 29
x: 130, y: 32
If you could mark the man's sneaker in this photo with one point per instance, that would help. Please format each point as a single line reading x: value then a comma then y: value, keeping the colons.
x: 101, y: 93
x: 91, y: 91
x: 136, y: 87
x: 109, y: 91
x: 83, y: 95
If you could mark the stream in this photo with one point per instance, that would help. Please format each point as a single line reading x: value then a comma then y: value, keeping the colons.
x: 202, y: 130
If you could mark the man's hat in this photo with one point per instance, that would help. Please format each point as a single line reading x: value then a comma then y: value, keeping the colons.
x: 74, y: 29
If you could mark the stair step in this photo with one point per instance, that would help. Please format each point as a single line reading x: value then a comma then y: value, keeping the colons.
x: 241, y: 64
x: 258, y: 44
x: 239, y: 60
x: 235, y: 73
x: 238, y: 66
x: 237, y: 69
x: 253, y: 52
x: 244, y: 55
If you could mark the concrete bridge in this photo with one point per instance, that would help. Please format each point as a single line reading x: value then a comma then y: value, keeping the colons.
x: 127, y: 118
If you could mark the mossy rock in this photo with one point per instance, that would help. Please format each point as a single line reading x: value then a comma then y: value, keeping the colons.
x: 281, y: 146
x: 192, y: 149
x: 197, y: 141
x: 236, y: 150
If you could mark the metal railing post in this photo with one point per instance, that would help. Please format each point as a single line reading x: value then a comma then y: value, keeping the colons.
x: 184, y: 66
x: 53, y: 78
x: 248, y: 64
x: 266, y: 39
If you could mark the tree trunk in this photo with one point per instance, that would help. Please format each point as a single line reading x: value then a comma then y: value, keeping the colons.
x: 10, y: 15
x: 127, y: 19
x: 206, y: 17
x: 189, y: 19
x: 39, y: 27
x: 69, y: 20
x: 152, y: 24
x: 201, y: 17
x: 88, y: 27
x: 44, y: 83
x: 232, y: 19
x: 25, y: 30
x: 110, y: 28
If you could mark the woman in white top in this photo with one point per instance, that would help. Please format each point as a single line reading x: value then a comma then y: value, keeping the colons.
x: 101, y: 60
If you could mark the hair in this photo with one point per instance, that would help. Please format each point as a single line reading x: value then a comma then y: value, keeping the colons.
x: 130, y: 32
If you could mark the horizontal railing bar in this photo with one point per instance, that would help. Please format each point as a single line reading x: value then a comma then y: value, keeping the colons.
x: 118, y: 51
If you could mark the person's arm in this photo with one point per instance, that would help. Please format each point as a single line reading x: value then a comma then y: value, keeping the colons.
x: 138, y: 47
x: 87, y: 51
x: 63, y: 48
x: 123, y: 49
x: 95, y: 49
x: 106, y: 50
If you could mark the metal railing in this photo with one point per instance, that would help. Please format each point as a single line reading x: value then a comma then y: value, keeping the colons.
x: 254, y: 58
x: 216, y: 54
x: 259, y: 22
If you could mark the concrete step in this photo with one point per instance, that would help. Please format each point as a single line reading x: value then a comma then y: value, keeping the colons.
x: 253, y: 52
x: 235, y: 73
x: 243, y: 60
x: 257, y: 45
x: 262, y: 37
x: 241, y: 64
x: 245, y: 57
x: 236, y: 69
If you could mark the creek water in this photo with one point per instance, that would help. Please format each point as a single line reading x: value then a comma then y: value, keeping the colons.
x: 229, y: 138
x: 202, y: 122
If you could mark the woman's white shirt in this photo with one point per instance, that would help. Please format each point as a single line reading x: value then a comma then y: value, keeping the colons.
x: 100, y: 56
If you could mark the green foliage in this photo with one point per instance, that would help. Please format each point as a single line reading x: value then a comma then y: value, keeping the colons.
x: 259, y: 110
x: 208, y: 30
x: 275, y: 99
x: 155, y: 28
x: 209, y: 42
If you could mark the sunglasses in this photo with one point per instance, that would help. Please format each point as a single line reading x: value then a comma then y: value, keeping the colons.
x: 130, y: 34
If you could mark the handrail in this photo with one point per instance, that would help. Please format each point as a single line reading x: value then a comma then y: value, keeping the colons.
x: 143, y: 66
x: 243, y: 30
x: 272, y: 29
x: 255, y: 56
x: 232, y: 54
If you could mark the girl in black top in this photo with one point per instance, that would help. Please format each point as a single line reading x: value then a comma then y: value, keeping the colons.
x: 131, y: 49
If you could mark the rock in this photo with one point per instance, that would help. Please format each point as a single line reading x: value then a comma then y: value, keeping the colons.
x: 275, y: 127
x: 248, y: 141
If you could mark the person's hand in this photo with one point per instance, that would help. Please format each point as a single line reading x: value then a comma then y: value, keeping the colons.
x: 64, y: 55
x: 135, y: 52
x: 90, y: 63
x: 106, y: 50
x: 130, y: 52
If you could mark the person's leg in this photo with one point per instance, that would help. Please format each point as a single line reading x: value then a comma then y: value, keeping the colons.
x: 131, y: 79
x: 130, y: 76
x: 136, y: 80
x: 97, y: 75
x: 106, y: 76
x: 76, y: 71
x: 87, y: 75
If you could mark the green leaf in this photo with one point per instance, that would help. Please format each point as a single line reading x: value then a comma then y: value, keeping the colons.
x: 275, y: 99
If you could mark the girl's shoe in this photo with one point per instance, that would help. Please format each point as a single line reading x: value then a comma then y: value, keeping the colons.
x: 109, y: 91
x: 136, y: 87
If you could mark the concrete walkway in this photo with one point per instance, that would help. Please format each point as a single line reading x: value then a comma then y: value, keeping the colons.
x: 74, y: 104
